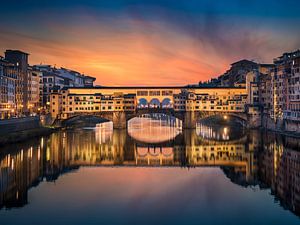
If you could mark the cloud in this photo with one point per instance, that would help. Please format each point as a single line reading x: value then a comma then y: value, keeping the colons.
x: 145, y: 44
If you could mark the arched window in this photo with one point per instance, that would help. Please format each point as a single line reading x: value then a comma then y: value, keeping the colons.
x: 154, y: 103
x: 166, y: 103
x: 143, y: 103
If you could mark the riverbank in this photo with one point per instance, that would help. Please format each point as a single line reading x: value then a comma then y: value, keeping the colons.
x: 24, y: 135
x: 292, y: 134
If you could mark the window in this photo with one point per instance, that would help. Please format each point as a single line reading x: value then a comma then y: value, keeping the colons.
x: 142, y: 93
x: 168, y: 92
x: 154, y: 93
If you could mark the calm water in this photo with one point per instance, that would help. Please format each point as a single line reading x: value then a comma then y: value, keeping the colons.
x: 151, y: 174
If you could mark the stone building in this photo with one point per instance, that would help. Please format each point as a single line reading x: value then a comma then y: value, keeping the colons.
x: 287, y: 90
x: 236, y: 75
x: 34, y: 90
x: 9, y: 74
x: 58, y: 78
x: 20, y: 59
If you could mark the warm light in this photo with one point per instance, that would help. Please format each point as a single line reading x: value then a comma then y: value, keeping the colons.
x: 225, y: 130
x: 225, y: 117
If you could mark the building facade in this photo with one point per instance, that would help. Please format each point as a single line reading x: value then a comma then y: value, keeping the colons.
x: 20, y: 59
x: 9, y: 74
x: 72, y: 101
x: 56, y: 79
x: 275, y: 91
x: 34, y: 90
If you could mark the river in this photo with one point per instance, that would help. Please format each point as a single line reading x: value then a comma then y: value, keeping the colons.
x: 152, y: 173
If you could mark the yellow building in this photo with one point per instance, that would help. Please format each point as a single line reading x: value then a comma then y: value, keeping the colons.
x: 111, y: 99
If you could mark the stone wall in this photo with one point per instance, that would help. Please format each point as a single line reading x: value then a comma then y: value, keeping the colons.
x: 292, y: 126
x: 280, y: 125
x: 19, y: 124
x: 254, y: 121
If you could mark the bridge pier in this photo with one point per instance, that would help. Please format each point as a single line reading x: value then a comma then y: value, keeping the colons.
x: 189, y: 120
x: 119, y: 120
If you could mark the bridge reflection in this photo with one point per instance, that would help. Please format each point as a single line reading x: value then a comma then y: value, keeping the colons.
x: 266, y: 161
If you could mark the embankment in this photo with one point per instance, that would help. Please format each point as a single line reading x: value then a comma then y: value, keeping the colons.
x: 22, y: 129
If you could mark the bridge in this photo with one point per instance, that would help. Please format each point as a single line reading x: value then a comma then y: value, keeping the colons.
x: 120, y: 104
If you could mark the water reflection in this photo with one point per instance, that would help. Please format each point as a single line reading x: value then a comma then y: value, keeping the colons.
x: 217, y: 132
x: 154, y: 128
x: 254, y: 159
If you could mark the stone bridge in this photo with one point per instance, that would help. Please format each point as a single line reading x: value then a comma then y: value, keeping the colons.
x: 120, y: 119
x: 120, y: 104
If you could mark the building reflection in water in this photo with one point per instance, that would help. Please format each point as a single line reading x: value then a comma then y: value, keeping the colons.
x: 253, y: 159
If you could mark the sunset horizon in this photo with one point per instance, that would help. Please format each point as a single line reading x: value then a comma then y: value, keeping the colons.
x: 149, y: 42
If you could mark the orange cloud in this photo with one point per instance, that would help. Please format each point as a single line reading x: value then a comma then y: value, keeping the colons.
x: 132, y: 53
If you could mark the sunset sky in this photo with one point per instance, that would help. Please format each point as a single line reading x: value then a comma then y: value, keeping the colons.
x: 149, y: 42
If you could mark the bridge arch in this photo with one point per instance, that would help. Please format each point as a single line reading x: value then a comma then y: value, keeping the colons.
x: 166, y: 103
x: 154, y: 103
x: 241, y: 118
x: 86, y: 120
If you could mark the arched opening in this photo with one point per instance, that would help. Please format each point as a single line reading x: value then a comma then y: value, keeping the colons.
x: 154, y: 128
x: 221, y: 127
x: 154, y: 103
x: 143, y: 103
x: 84, y: 121
x: 166, y: 103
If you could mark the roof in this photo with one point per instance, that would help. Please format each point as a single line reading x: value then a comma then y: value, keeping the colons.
x: 243, y: 61
x: 16, y: 51
x: 266, y: 65
x: 89, y: 77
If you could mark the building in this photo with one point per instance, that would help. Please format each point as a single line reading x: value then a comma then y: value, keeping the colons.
x: 54, y: 79
x: 236, y: 75
x: 89, y: 81
x: 20, y: 59
x: 285, y: 89
x: 72, y: 101
x: 256, y: 84
x: 9, y: 74
x: 34, y: 90
x: 274, y: 90
x: 289, y: 69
